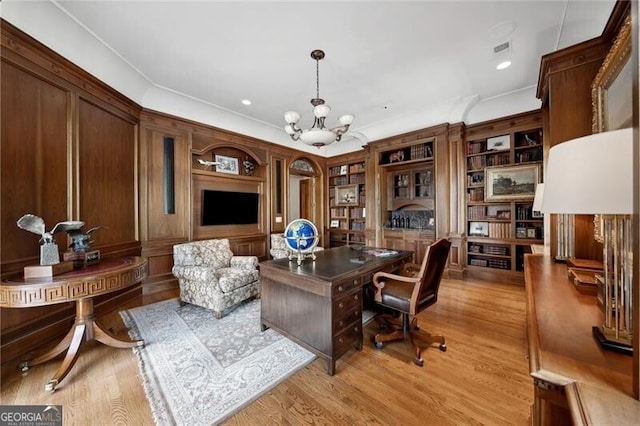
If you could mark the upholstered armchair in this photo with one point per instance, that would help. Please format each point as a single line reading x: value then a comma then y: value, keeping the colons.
x: 279, y: 249
x: 212, y: 277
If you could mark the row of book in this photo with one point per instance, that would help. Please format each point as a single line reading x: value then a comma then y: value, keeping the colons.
x: 421, y: 151
x: 338, y: 212
x: 476, y: 178
x: 476, y: 212
x: 475, y: 194
x: 523, y: 212
x: 499, y: 230
x: 488, y: 249
x: 357, y: 179
x: 340, y: 180
x: 491, y: 263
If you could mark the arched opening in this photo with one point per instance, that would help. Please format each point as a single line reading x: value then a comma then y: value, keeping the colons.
x: 305, y: 191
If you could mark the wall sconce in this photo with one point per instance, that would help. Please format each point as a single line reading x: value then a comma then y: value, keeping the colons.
x: 594, y: 175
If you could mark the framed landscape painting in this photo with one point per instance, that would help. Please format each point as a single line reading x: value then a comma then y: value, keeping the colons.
x: 347, y: 195
x: 511, y: 182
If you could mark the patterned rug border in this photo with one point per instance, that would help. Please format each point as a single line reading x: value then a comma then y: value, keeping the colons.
x: 161, y: 404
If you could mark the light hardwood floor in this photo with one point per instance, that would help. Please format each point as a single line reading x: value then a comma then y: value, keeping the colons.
x: 482, y: 379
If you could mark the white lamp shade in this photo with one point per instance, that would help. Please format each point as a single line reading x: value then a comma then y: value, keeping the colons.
x: 321, y: 111
x: 289, y: 129
x: 591, y: 175
x: 346, y: 119
x: 291, y: 117
x: 537, y: 199
x: 318, y: 137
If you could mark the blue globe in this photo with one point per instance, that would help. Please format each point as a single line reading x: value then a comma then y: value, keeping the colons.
x: 301, y: 232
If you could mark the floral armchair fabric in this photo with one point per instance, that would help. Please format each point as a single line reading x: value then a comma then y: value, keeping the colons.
x: 211, y: 276
x: 279, y: 249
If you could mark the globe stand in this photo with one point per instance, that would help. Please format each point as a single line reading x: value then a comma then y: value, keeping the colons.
x: 299, y: 254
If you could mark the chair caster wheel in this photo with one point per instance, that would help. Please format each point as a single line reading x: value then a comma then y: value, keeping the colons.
x: 51, y: 386
x: 379, y: 345
x: 418, y: 362
x: 443, y: 347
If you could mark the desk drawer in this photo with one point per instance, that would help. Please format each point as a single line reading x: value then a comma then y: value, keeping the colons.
x: 344, y: 287
x: 348, y: 338
x: 346, y: 310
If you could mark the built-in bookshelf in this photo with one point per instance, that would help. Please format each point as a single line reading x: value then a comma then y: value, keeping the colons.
x: 347, y: 203
x: 503, y: 167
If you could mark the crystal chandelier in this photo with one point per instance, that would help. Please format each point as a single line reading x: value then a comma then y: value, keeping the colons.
x: 318, y: 135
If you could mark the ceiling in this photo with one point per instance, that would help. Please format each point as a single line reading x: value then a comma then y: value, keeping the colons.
x: 397, y: 66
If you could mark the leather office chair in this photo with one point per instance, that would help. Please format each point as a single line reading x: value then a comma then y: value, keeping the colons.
x: 409, y: 293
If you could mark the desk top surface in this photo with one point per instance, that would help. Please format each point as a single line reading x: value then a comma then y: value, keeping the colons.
x: 562, y: 349
x: 336, y: 262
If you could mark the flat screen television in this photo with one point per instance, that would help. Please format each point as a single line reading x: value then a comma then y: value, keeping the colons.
x: 229, y: 208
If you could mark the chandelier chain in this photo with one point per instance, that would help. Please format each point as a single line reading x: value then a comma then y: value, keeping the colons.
x: 317, y: 78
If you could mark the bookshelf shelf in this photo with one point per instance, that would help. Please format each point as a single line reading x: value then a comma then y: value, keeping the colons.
x: 347, y: 216
x: 500, y: 233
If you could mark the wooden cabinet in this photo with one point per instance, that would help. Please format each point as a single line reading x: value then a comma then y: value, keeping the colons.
x: 411, y: 186
x: 406, y: 239
x: 347, y: 203
x: 504, y: 164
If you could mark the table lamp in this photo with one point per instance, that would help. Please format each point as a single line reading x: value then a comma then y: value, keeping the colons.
x: 594, y: 175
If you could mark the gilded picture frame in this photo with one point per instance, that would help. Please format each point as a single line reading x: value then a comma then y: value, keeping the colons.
x: 611, y: 95
x: 507, y: 183
x: 611, y: 90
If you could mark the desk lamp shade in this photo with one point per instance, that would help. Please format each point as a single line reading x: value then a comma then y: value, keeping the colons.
x: 537, y: 199
x: 591, y: 175
x: 594, y: 175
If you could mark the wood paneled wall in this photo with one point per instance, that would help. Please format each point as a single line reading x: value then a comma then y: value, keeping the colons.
x: 564, y: 87
x: 69, y: 150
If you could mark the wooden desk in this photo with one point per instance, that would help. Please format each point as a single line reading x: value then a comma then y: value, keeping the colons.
x: 575, y: 381
x: 80, y: 286
x: 319, y: 304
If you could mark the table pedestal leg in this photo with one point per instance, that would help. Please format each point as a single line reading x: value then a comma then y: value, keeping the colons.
x: 84, y: 329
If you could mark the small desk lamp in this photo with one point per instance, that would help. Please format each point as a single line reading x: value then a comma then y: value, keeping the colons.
x: 594, y: 175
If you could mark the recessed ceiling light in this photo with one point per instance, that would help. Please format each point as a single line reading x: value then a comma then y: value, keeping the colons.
x: 246, y: 102
x: 503, y: 65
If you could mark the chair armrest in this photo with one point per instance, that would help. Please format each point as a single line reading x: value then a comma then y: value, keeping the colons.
x: 244, y: 262
x: 205, y: 274
x: 379, y: 281
x: 279, y: 253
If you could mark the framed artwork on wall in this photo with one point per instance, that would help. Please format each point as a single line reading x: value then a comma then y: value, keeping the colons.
x: 511, y: 182
x: 347, y: 195
x: 612, y: 88
x: 499, y: 143
x: 226, y: 165
x: 611, y: 96
x: 478, y: 229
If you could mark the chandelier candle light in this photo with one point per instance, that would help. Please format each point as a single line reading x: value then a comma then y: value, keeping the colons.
x: 318, y: 135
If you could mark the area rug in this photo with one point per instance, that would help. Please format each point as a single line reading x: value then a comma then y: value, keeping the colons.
x: 200, y: 371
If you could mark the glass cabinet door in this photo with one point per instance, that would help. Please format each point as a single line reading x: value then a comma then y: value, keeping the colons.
x: 423, y: 184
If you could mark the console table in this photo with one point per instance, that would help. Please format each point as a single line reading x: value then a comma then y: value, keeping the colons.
x: 80, y: 286
x: 319, y: 303
x: 575, y: 381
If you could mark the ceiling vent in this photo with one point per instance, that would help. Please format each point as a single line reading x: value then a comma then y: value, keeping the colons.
x: 502, y: 48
